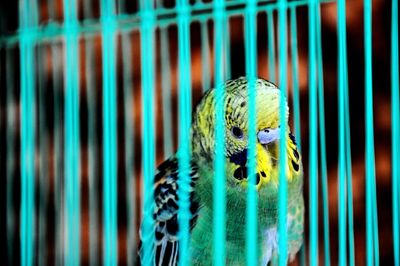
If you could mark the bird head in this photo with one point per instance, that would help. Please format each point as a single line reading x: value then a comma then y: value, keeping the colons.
x: 236, y: 118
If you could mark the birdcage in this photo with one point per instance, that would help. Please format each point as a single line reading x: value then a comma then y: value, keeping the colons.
x: 95, y: 94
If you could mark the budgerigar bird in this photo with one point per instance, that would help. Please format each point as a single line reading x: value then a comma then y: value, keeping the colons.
x: 165, y: 249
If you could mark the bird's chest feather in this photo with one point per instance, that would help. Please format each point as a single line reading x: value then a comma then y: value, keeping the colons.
x: 235, y: 218
x: 235, y: 244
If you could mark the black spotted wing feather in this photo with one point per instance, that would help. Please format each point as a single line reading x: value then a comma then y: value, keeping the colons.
x: 165, y: 212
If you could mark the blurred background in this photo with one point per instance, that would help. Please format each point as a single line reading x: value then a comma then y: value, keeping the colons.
x: 49, y: 69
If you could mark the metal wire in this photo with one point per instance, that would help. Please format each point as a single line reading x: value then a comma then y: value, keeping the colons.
x: 28, y: 19
x: 395, y: 114
x: 129, y: 137
x: 324, y: 171
x: 313, y: 135
x: 147, y: 63
x: 219, y: 194
x: 251, y: 66
x: 370, y: 206
x: 282, y: 192
x: 43, y: 176
x: 271, y: 46
x: 72, y: 138
x: 342, y: 87
x: 163, y: 17
x: 184, y: 105
x: 110, y: 240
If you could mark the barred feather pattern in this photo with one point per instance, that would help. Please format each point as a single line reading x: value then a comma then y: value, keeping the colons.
x: 165, y: 212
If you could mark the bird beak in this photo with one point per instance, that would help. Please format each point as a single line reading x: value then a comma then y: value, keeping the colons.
x: 268, y: 135
x: 269, y: 139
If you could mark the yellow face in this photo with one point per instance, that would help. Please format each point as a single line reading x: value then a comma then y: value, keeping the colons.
x: 236, y: 131
x: 237, y: 128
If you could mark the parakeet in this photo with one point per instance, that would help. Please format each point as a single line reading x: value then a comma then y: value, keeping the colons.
x: 165, y: 249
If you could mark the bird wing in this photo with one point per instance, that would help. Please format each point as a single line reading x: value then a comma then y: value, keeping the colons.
x: 165, y: 212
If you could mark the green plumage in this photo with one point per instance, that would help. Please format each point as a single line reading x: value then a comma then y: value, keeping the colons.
x: 166, y: 201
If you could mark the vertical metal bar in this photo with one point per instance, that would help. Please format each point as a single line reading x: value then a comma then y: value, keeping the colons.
x: 28, y: 19
x: 129, y: 135
x: 129, y: 140
x: 28, y: 117
x: 110, y: 238
x: 313, y: 135
x: 227, y: 48
x: 296, y: 99
x: 347, y: 160
x: 43, y: 157
x: 58, y: 158
x: 321, y: 110
x: 251, y: 72
x: 395, y: 131
x: 342, y: 83
x: 92, y: 153
x: 349, y: 176
x: 271, y: 45
x: 205, y: 55
x: 10, y: 136
x: 219, y: 162
x: 147, y: 64
x: 71, y: 141
x: 371, y: 210
x: 184, y: 105
x: 93, y: 174
x: 282, y: 199
x: 295, y: 71
x: 166, y: 92
x: 43, y: 152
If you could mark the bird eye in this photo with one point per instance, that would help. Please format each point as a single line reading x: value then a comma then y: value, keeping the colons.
x: 237, y: 132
